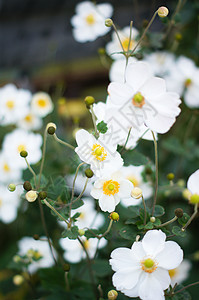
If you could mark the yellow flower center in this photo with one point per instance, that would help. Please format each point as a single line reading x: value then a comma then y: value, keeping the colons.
x: 90, y: 20
x: 188, y: 82
x: 86, y: 244
x: 21, y: 147
x: 111, y: 187
x: 172, y: 272
x: 125, y: 44
x: 1, y: 202
x: 99, y: 152
x: 28, y: 118
x: 134, y: 180
x: 42, y: 103
x: 10, y: 104
x: 6, y: 167
x: 138, y: 100
x: 148, y: 265
x: 82, y: 216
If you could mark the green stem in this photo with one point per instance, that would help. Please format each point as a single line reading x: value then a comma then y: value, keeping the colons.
x: 108, y: 229
x: 62, y: 142
x: 143, y: 202
x: 43, y: 158
x: 168, y: 222
x: 129, y: 43
x: 156, y: 172
x: 114, y: 27
x: 94, y: 121
x: 172, y: 22
x: 126, y: 141
x: 31, y: 170
x: 192, y: 217
x: 185, y: 287
x: 55, y: 211
x: 76, y: 173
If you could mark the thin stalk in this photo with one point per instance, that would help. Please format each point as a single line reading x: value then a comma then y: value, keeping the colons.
x: 94, y: 121
x: 192, y: 217
x: 76, y: 173
x: 108, y: 229
x: 62, y: 142
x: 143, y: 202
x: 172, y: 22
x: 186, y: 287
x: 114, y: 27
x: 126, y: 141
x: 31, y: 170
x: 67, y: 281
x: 43, y: 158
x: 168, y: 222
x: 55, y: 211
x: 82, y: 192
x: 129, y: 43
x: 156, y: 172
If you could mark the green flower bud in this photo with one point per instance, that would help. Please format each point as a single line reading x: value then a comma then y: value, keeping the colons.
x: 89, y: 173
x: 152, y: 219
x: 108, y: 22
x: 194, y: 199
x: 114, y: 216
x: 42, y: 195
x: 27, y: 186
x: 170, y: 176
x: 51, y: 128
x: 81, y: 232
x: 101, y: 51
x: 12, y: 187
x: 66, y: 267
x: 178, y: 212
x: 178, y: 36
x: 112, y: 295
x: 89, y: 100
x: 24, y: 153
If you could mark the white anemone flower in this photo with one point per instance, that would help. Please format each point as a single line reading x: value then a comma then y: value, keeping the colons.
x: 41, y: 104
x: 19, y: 140
x: 9, y: 203
x: 134, y: 174
x: 9, y: 172
x: 117, y: 69
x: 193, y: 187
x: 113, y: 47
x: 100, y: 153
x: 110, y: 189
x: 143, y: 99
x: 30, y: 122
x: 38, y: 249
x: 14, y: 104
x: 181, y: 273
x: 143, y: 270
x: 74, y: 251
x: 89, y: 21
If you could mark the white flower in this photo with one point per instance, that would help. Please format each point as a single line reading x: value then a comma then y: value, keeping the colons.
x: 14, y: 104
x: 114, y: 46
x: 9, y: 172
x: 9, y: 202
x: 41, y: 104
x: 117, y: 70
x: 30, y: 122
x: 80, y: 183
x: 193, y: 188
x: 143, y: 99
x: 142, y: 271
x: 134, y: 174
x: 181, y: 273
x: 38, y: 249
x: 19, y: 140
x: 110, y: 189
x: 74, y: 252
x: 101, y: 154
x: 89, y: 21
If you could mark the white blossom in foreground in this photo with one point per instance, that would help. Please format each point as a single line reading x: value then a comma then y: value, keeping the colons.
x: 19, y: 140
x: 134, y: 174
x: 193, y: 187
x: 143, y: 270
x: 9, y: 172
x: 113, y: 47
x: 181, y: 273
x: 74, y: 251
x: 117, y: 69
x: 143, y: 99
x: 100, y: 153
x: 14, y: 104
x: 41, y: 104
x: 110, y: 189
x: 36, y: 249
x: 9, y: 203
x: 89, y: 21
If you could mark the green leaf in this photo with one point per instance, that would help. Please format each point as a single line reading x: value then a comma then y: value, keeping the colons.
x: 128, y: 233
x: 101, y: 267
x: 71, y: 233
x: 132, y: 157
x: 102, y: 127
x: 132, y: 221
x: 182, y: 221
x: 178, y: 232
x: 159, y: 211
x: 91, y: 233
x: 157, y: 222
x: 184, y: 295
x: 135, y: 211
x: 77, y: 204
x: 149, y: 225
x: 58, y: 189
x: 43, y: 181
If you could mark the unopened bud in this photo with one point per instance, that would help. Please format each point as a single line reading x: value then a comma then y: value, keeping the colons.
x: 51, y: 128
x: 31, y: 196
x: 178, y: 36
x: 152, y: 219
x: 89, y: 100
x: 114, y: 216
x: 36, y: 237
x: 24, y: 153
x: 186, y: 194
x: 179, y: 212
x: 66, y: 267
x: 18, y: 279
x: 12, y: 187
x: 27, y: 186
x: 194, y: 199
x: 181, y: 183
x: 163, y: 12
x: 112, y: 295
x: 89, y: 173
x: 42, y: 195
x: 136, y: 193
x: 170, y: 176
x: 108, y: 22
x: 81, y: 232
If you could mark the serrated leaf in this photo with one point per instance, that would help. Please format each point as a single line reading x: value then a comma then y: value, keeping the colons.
x: 77, y: 204
x: 132, y: 157
x: 58, y: 189
x: 102, y: 127
x: 149, y: 225
x: 182, y: 221
x: 157, y: 222
x: 184, y: 295
x: 128, y: 233
x: 43, y: 181
x: 178, y: 232
x: 91, y: 233
x: 135, y: 211
x: 71, y: 233
x: 159, y: 211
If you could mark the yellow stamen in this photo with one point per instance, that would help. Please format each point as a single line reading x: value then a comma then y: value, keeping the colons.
x: 111, y: 187
x: 134, y: 180
x: 6, y: 167
x: 82, y: 216
x: 172, y: 272
x: 99, y: 152
x: 42, y: 103
x: 125, y: 44
x: 28, y: 118
x: 188, y: 82
x: 138, y: 100
x: 90, y: 20
x: 10, y: 104
x: 21, y: 147
x: 148, y: 265
x: 86, y: 244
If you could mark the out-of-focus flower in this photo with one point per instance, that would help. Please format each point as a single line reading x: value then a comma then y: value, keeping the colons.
x: 181, y: 273
x: 80, y: 183
x: 8, y: 170
x: 193, y: 187
x: 101, y: 154
x: 41, y: 104
x: 38, y: 252
x: 74, y: 251
x: 14, y: 104
x: 110, y: 189
x: 113, y: 47
x: 9, y: 203
x: 143, y: 99
x: 19, y: 140
x: 30, y: 122
x: 134, y: 174
x: 142, y: 271
x: 89, y: 21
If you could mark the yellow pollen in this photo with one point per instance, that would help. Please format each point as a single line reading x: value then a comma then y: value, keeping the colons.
x: 188, y: 82
x: 28, y: 118
x: 99, y: 152
x: 82, y: 216
x: 10, y: 104
x: 172, y: 272
x: 6, y: 168
x: 148, y: 265
x: 37, y: 254
x: 90, y: 20
x: 42, y: 103
x: 111, y: 187
x: 21, y: 148
x: 138, y: 100
x: 86, y: 244
x: 125, y: 44
x: 134, y: 180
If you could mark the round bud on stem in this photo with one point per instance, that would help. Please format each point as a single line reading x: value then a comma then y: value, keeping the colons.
x: 18, y: 279
x: 24, y: 153
x: 42, y: 195
x: 81, y: 232
x: 163, y: 12
x: 136, y: 193
x: 114, y: 216
x: 36, y: 237
x: 51, y: 128
x: 31, y: 196
x: 170, y: 176
x: 66, y: 267
x: 186, y: 194
x: 194, y: 199
x: 179, y: 212
x: 112, y: 295
x: 152, y: 219
x: 27, y: 186
x: 89, y: 173
x: 89, y: 100
x: 12, y: 187
x: 108, y: 22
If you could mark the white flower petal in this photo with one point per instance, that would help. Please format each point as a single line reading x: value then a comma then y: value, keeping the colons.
x: 127, y: 278
x: 163, y: 277
x: 125, y: 188
x: 153, y: 87
x: 150, y: 288
x: 171, y: 256
x: 107, y: 203
x: 96, y: 193
x: 192, y: 183
x: 120, y: 93
x: 153, y: 242
x: 137, y: 74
